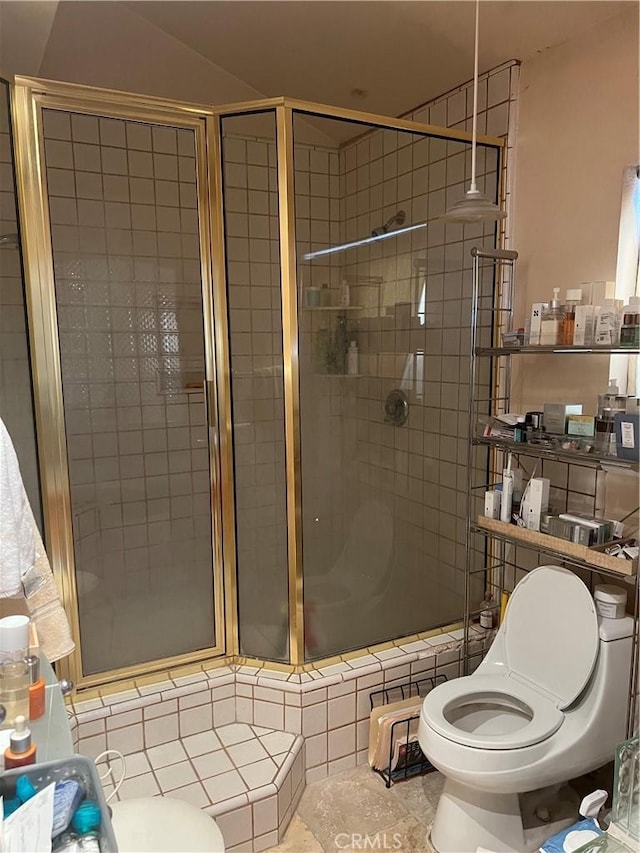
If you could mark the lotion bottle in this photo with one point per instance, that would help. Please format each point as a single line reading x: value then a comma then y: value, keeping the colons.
x: 507, y: 493
x: 344, y: 300
x: 20, y: 751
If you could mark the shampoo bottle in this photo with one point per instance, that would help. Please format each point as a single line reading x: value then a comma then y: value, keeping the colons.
x: 507, y: 493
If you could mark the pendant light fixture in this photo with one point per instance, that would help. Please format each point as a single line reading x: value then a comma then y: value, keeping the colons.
x: 474, y: 206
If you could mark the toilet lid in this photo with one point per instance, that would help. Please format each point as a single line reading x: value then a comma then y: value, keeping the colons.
x: 551, y: 633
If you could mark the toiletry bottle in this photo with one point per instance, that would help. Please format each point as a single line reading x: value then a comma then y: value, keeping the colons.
x: 36, y: 688
x: 552, y: 321
x: 574, y: 298
x: 630, y: 329
x: 14, y: 690
x: 352, y: 359
x: 507, y: 493
x: 340, y: 346
x: 344, y: 294
x: 610, y: 404
x: 486, y: 613
x: 325, y: 296
x: 20, y: 751
x: 607, y: 330
x: 323, y: 347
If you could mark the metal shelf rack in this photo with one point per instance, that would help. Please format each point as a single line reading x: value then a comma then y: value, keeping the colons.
x: 496, y: 559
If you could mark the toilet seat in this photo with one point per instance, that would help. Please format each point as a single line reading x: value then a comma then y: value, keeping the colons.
x: 164, y: 825
x: 505, y: 694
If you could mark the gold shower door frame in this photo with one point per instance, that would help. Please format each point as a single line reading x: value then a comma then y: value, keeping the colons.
x: 29, y: 97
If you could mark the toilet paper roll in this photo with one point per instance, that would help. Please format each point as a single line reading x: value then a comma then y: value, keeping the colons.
x: 14, y: 636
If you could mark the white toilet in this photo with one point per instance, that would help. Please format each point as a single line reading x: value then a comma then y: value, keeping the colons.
x: 164, y: 825
x: 547, y: 704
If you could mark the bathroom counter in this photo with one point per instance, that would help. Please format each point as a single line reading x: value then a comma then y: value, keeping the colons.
x: 52, y: 732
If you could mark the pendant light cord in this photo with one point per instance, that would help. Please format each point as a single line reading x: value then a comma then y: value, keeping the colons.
x: 474, y: 130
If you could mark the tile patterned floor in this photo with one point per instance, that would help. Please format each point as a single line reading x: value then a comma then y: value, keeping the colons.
x: 354, y: 811
x: 208, y: 768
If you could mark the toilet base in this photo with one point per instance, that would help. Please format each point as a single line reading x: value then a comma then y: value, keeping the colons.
x: 467, y: 818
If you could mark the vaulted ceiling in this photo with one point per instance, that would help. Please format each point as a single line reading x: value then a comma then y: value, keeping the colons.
x: 384, y: 57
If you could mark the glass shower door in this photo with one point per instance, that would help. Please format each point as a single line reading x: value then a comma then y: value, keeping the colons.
x: 123, y: 209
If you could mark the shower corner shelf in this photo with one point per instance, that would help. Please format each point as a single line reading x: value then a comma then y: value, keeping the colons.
x: 491, y: 545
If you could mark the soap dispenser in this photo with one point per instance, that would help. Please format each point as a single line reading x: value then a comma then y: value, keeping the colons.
x: 552, y: 321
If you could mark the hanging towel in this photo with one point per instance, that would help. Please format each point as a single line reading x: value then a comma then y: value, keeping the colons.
x: 24, y: 567
x: 17, y: 540
x: 45, y: 608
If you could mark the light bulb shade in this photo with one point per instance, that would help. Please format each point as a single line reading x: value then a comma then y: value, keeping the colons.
x: 473, y: 207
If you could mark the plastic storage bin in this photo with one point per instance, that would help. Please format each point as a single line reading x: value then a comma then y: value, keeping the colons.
x: 77, y: 767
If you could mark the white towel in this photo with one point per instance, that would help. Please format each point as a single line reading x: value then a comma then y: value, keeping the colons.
x: 17, y: 539
x: 24, y: 566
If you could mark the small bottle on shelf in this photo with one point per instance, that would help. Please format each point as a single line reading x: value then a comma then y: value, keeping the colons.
x: 630, y: 329
x: 552, y: 321
x: 607, y: 329
x: 574, y: 298
x: 486, y: 613
x: 345, y: 297
x: 36, y: 688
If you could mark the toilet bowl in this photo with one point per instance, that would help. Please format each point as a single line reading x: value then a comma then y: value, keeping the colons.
x: 164, y: 825
x: 547, y: 704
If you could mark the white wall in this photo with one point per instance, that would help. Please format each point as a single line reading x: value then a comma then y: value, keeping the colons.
x: 577, y: 130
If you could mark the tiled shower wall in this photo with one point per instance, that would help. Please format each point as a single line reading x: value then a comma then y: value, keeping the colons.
x: 124, y: 224
x: 255, y: 323
x: 416, y: 471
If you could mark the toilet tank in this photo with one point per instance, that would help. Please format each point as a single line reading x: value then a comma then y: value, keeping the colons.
x: 614, y: 657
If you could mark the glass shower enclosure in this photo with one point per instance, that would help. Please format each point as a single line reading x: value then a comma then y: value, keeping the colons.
x: 249, y: 333
x: 350, y: 442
